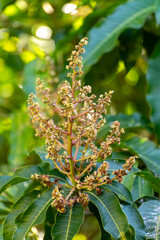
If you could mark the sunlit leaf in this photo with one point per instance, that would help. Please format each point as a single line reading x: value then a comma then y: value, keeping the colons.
x: 150, y: 212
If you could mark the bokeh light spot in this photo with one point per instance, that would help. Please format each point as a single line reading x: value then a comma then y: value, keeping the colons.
x: 47, y: 7
x: 132, y: 77
x: 69, y: 8
x: 22, y: 5
x: 10, y: 45
x: 6, y: 90
x: 44, y: 32
x: 11, y: 10
x: 27, y: 56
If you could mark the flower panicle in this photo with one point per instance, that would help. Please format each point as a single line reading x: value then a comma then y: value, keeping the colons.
x: 82, y: 115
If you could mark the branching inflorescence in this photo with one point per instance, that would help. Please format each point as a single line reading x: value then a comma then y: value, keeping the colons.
x: 71, y: 146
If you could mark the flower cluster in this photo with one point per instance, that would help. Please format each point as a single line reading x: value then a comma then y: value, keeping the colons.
x: 70, y: 143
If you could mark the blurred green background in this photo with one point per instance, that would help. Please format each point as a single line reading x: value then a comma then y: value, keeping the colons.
x: 37, y: 37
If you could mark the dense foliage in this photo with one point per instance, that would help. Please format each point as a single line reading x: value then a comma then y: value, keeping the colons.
x: 123, y: 55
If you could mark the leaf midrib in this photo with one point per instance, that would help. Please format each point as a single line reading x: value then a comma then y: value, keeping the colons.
x: 116, y: 29
x: 36, y: 217
x: 70, y: 214
x: 108, y: 212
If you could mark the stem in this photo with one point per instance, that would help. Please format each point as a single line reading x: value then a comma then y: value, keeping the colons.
x: 86, y: 169
x: 70, y: 193
x: 66, y: 173
x: 61, y: 144
x: 77, y: 148
x: 72, y: 174
x: 58, y: 130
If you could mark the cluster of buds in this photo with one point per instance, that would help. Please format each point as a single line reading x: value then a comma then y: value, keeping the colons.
x: 44, y: 179
x: 82, y: 115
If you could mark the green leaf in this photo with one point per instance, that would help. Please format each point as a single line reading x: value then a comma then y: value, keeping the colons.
x: 153, y: 96
x: 154, y: 181
x: 21, y: 175
x: 102, y: 39
x: 121, y: 191
x: 147, y: 151
x: 34, y: 215
x: 150, y: 212
x: 41, y: 151
x: 113, y: 219
x: 141, y: 188
x: 135, y: 220
x: 94, y: 210
x: 20, y: 206
x: 5, y: 3
x: 68, y: 223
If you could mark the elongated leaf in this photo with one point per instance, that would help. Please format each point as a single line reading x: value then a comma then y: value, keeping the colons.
x: 129, y: 15
x: 147, y: 151
x: 121, y: 191
x: 154, y: 181
x: 141, y: 188
x: 94, y: 210
x: 35, y: 214
x: 113, y: 219
x: 135, y: 220
x: 20, y: 206
x: 21, y: 175
x: 150, y: 212
x: 68, y: 224
x: 153, y: 96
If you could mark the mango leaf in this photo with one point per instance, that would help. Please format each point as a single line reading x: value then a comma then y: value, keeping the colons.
x: 5, y: 3
x: 41, y: 151
x: 20, y: 206
x: 103, y: 39
x: 135, y: 220
x: 150, y: 212
x: 121, y: 191
x: 68, y: 223
x: 153, y: 96
x: 154, y: 181
x: 21, y: 175
x: 141, y: 188
x: 113, y: 219
x: 94, y: 210
x: 34, y: 215
x: 147, y: 151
